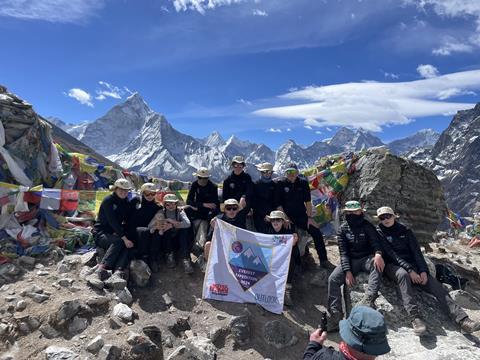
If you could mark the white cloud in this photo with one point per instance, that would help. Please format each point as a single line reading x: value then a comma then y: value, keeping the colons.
x: 318, y: 132
x: 328, y: 129
x: 309, y: 127
x: 372, y: 105
x: 427, y: 71
x: 274, y: 130
x: 450, y: 46
x: 258, y: 12
x: 389, y: 75
x: 202, y: 5
x: 109, y: 90
x: 288, y: 130
x: 63, y: 11
x: 243, y: 101
x: 81, y: 96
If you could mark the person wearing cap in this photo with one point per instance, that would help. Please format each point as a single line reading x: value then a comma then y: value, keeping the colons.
x: 364, y: 337
x: 170, y: 227
x: 233, y: 214
x: 360, y: 251
x: 410, y: 269
x: 264, y: 196
x: 238, y: 185
x: 143, y: 209
x: 203, y: 205
x: 277, y: 224
x: 294, y: 198
x: 110, y: 233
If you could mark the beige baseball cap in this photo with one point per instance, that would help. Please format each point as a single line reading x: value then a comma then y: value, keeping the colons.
x: 266, y: 166
x: 150, y: 187
x: 202, y: 172
x: 277, y: 214
x: 385, y: 210
x: 231, y: 202
x: 121, y: 184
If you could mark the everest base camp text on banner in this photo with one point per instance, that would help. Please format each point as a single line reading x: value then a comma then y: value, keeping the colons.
x: 247, y: 267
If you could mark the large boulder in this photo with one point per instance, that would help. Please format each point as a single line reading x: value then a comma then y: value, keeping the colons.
x: 414, y: 192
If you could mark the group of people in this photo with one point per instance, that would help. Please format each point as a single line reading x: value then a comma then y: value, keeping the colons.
x: 144, y: 228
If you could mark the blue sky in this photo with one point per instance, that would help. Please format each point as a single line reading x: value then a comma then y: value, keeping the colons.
x: 265, y: 70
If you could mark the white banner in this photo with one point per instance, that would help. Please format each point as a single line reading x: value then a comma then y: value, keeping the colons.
x: 244, y: 266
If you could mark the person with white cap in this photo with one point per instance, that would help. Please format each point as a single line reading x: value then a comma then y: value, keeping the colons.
x: 363, y: 334
x: 294, y: 198
x: 238, y: 185
x: 143, y: 209
x: 203, y: 205
x: 264, y: 196
x: 277, y: 224
x: 170, y: 227
x: 109, y: 231
x: 360, y: 251
x: 409, y: 269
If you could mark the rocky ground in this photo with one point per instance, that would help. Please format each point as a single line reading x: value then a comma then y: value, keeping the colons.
x: 52, y: 308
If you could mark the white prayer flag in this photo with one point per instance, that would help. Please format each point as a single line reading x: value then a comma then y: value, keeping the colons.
x: 247, y: 267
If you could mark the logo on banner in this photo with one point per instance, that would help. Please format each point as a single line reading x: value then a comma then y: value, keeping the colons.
x: 249, y: 262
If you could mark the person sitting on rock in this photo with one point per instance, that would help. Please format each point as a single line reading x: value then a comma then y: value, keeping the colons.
x: 170, y: 227
x: 294, y: 198
x: 109, y: 231
x: 233, y: 214
x: 143, y: 211
x: 203, y: 205
x: 364, y: 337
x: 412, y: 270
x: 277, y: 224
x: 264, y: 196
x: 360, y: 251
x: 238, y: 185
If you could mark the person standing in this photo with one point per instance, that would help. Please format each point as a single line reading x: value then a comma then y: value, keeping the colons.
x: 412, y: 270
x: 294, y: 199
x: 238, y: 185
x: 360, y: 251
x: 109, y: 231
x: 264, y: 196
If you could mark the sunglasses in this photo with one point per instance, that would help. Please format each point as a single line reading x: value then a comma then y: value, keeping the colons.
x: 231, y: 208
x: 291, y: 172
x: 276, y: 220
x: 202, y: 178
x: 170, y: 203
x: 236, y: 165
x: 149, y: 193
x: 385, y: 217
x: 266, y: 172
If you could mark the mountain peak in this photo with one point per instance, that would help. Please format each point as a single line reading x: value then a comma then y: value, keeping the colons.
x: 214, y: 139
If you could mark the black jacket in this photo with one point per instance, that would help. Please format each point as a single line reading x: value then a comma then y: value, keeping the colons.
x: 292, y: 198
x: 239, y: 221
x: 315, y: 351
x: 141, y: 213
x: 264, y: 198
x: 112, y: 216
x: 405, y: 246
x: 357, y: 242
x: 198, y: 195
x: 236, y: 186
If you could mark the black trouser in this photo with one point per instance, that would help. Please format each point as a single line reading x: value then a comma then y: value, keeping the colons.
x: 337, y: 279
x: 317, y: 236
x: 402, y: 278
x: 294, y: 259
x: 116, y: 255
x: 176, y: 239
x: 148, y: 245
x: 259, y: 221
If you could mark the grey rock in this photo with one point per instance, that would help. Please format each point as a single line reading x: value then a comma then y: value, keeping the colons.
x: 153, y: 333
x: 38, y: 298
x: 33, y: 322
x: 240, y: 329
x: 217, y: 333
x: 85, y: 272
x: 27, y: 261
x: 48, y: 331
x: 123, y: 312
x: 89, y: 259
x: 10, y: 298
x: 66, y: 282
x: 59, y: 353
x: 168, y: 341
x: 95, y: 345
x: 42, y: 273
x: 201, y: 348
x: 32, y: 289
x: 115, y: 283
x: 179, y: 326
x: 68, y: 309
x: 140, y: 273
x: 167, y: 299
x: 24, y: 328
x: 63, y: 268
x: 115, y: 323
x: 97, y: 301
x: 320, y: 279
x: 110, y: 352
x: 77, y: 325
x: 9, y: 270
x: 124, y: 296
x: 180, y: 353
x: 95, y: 282
x: 4, y: 328
x: 21, y: 305
x: 221, y: 317
x: 465, y: 299
x: 277, y: 334
x: 143, y: 347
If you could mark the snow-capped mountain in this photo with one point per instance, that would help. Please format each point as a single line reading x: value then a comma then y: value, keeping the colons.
x: 350, y: 140
x: 425, y: 138
x: 214, y: 140
x: 124, y: 121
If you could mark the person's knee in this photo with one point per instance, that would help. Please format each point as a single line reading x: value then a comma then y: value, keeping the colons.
x: 402, y: 275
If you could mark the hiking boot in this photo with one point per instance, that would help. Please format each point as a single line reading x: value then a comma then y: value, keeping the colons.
x: 102, y: 273
x: 187, y: 266
x: 153, y: 265
x: 287, y: 300
x: 368, y: 300
x: 202, y: 263
x: 419, y: 327
x: 325, y: 264
x: 469, y: 326
x: 170, y: 261
x: 333, y: 320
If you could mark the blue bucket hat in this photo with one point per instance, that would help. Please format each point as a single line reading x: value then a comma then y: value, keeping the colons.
x: 365, y: 331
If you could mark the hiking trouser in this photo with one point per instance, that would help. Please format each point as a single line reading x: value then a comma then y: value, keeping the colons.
x: 294, y: 259
x: 401, y: 277
x: 116, y: 255
x: 200, y: 228
x: 149, y: 245
x: 337, y: 279
x: 177, y: 239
